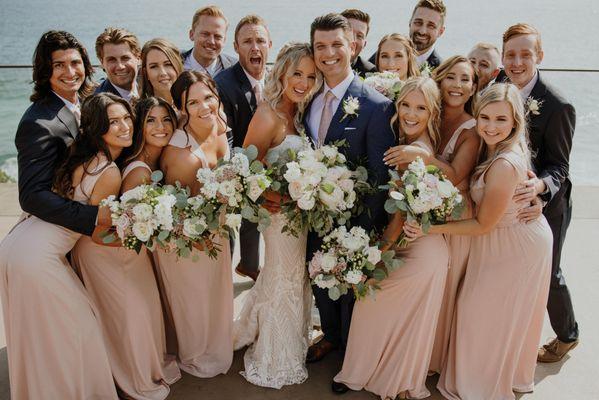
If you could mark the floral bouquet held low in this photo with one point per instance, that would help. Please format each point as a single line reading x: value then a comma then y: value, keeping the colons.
x: 386, y: 83
x: 423, y: 194
x: 347, y: 260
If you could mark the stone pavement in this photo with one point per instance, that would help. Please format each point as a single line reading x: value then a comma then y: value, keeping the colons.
x: 571, y: 379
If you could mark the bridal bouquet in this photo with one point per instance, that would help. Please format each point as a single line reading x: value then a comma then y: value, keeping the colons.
x: 234, y: 187
x: 424, y: 194
x: 348, y: 260
x: 386, y: 83
x: 322, y: 189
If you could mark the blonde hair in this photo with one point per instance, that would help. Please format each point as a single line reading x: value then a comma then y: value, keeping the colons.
x: 251, y: 19
x: 442, y: 71
x: 170, y: 51
x: 517, y: 139
x: 522, y: 29
x: 408, y: 45
x: 209, y: 11
x: 432, y: 99
x: 285, y: 64
x: 116, y: 36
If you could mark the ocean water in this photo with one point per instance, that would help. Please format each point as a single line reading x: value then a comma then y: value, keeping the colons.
x: 570, y: 36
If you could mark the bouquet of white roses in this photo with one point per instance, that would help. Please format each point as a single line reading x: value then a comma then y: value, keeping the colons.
x: 424, y: 194
x: 234, y: 187
x: 386, y: 83
x: 323, y: 190
x: 348, y: 260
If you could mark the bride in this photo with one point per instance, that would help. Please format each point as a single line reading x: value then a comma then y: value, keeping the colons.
x: 275, y: 318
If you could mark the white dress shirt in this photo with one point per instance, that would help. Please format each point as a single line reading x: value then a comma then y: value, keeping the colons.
x: 526, y: 90
x: 71, y: 106
x: 127, y: 94
x: 421, y: 59
x: 318, y: 103
x: 191, y: 64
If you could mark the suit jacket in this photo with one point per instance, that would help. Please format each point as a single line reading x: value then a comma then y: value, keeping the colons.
x: 46, y: 129
x: 107, y: 87
x: 226, y: 60
x: 434, y: 60
x: 239, y: 101
x: 550, y: 134
x: 362, y: 67
x: 368, y: 136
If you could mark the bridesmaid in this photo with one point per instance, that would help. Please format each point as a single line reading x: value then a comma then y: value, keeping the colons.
x: 456, y: 156
x: 501, y: 305
x: 120, y: 282
x: 199, y: 293
x: 392, y: 360
x: 160, y: 66
x: 396, y: 54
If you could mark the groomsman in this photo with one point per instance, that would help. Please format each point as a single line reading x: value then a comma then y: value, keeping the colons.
x: 360, y: 23
x: 208, y: 33
x: 551, y: 126
x: 119, y: 53
x: 240, y: 89
x: 368, y: 136
x: 485, y: 59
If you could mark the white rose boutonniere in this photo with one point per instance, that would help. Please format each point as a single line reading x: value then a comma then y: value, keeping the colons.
x: 533, y: 106
x: 351, y: 107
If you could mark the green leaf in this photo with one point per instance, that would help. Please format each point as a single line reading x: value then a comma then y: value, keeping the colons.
x: 157, y: 176
x: 276, y: 186
x: 327, y: 188
x: 379, y: 274
x: 251, y: 152
x: 247, y: 213
x: 432, y: 169
x: 387, y: 256
x: 163, y: 235
x: 391, y: 206
x: 256, y: 167
x: 108, y: 237
x: 334, y: 293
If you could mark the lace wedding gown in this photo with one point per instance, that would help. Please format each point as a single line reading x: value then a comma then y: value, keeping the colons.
x: 275, y: 318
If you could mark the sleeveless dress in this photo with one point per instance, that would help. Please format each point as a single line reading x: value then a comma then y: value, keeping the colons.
x: 200, y: 296
x: 500, y: 308
x: 275, y: 318
x: 459, y: 247
x: 391, y: 334
x: 122, y: 285
x: 54, y: 341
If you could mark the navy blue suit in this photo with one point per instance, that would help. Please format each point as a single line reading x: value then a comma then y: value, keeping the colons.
x: 107, y: 87
x: 368, y: 136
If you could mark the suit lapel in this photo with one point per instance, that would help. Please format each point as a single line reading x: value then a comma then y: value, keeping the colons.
x: 246, y: 87
x: 65, y: 115
x: 339, y: 123
x: 537, y: 93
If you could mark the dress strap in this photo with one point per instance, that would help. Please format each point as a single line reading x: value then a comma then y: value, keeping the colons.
x: 135, y: 164
x: 84, y: 190
x: 183, y: 140
x: 450, y: 147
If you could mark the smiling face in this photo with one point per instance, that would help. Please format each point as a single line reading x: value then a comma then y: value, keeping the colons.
x: 520, y: 59
x: 68, y: 73
x: 158, y: 127
x: 393, y: 57
x: 252, y: 44
x: 201, y: 107
x: 208, y: 37
x: 360, y: 29
x: 120, y: 64
x: 495, y: 122
x: 332, y: 55
x: 413, y: 115
x: 486, y: 63
x: 426, y: 26
x: 160, y: 71
x: 299, y: 82
x: 458, y: 86
x: 120, y: 128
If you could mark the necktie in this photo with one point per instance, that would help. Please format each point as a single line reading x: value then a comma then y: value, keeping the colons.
x: 325, y: 118
x: 258, y: 92
x: 77, y: 112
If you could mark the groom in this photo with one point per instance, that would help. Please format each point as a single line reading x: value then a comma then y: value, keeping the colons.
x: 368, y: 135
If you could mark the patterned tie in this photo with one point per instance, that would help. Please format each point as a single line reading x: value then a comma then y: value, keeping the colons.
x: 258, y: 93
x: 325, y: 118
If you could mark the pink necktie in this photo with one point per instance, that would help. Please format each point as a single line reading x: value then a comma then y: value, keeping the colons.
x: 325, y: 118
x: 258, y: 93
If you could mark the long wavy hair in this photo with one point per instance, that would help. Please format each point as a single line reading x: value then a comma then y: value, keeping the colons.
x: 180, y: 91
x: 432, y: 99
x: 408, y: 45
x: 284, y: 67
x: 50, y: 42
x: 89, y: 142
x: 172, y: 54
x: 442, y: 71
x: 142, y: 110
x: 517, y: 140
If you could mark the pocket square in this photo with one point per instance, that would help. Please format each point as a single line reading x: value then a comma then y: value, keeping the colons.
x: 349, y: 128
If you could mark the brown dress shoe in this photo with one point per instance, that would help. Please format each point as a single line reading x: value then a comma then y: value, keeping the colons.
x: 317, y: 351
x: 253, y: 275
x: 555, y: 350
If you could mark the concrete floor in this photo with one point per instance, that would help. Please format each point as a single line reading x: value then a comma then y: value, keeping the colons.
x: 571, y: 379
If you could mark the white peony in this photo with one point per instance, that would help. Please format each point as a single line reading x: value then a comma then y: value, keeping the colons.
x: 353, y: 277
x: 329, y: 151
x: 306, y: 201
x: 374, y: 255
x: 328, y: 262
x: 293, y: 172
x: 142, y: 231
x: 347, y: 185
x: 122, y: 224
x: 137, y: 193
x: 352, y: 243
x: 233, y: 221
x: 142, y: 211
x: 446, y: 189
x: 297, y: 189
x: 331, y: 200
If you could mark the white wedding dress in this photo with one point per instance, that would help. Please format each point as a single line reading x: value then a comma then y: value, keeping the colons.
x: 275, y: 318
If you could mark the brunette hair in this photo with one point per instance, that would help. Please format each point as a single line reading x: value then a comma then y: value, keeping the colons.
x: 359, y: 15
x: 435, y: 5
x: 116, y: 36
x: 50, y: 42
x: 411, y: 53
x: 522, y: 29
x: 209, y: 11
x: 89, y: 142
x: 251, y: 19
x: 331, y: 22
x: 172, y: 54
x: 442, y: 71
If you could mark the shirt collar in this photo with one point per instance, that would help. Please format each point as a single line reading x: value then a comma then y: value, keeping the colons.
x: 341, y: 88
x: 196, y: 66
x: 253, y: 81
x: 526, y: 90
x: 70, y: 106
x: 421, y: 59
x: 127, y: 94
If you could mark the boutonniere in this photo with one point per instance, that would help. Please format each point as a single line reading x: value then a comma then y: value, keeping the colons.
x: 533, y: 106
x: 426, y: 69
x: 351, y: 106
